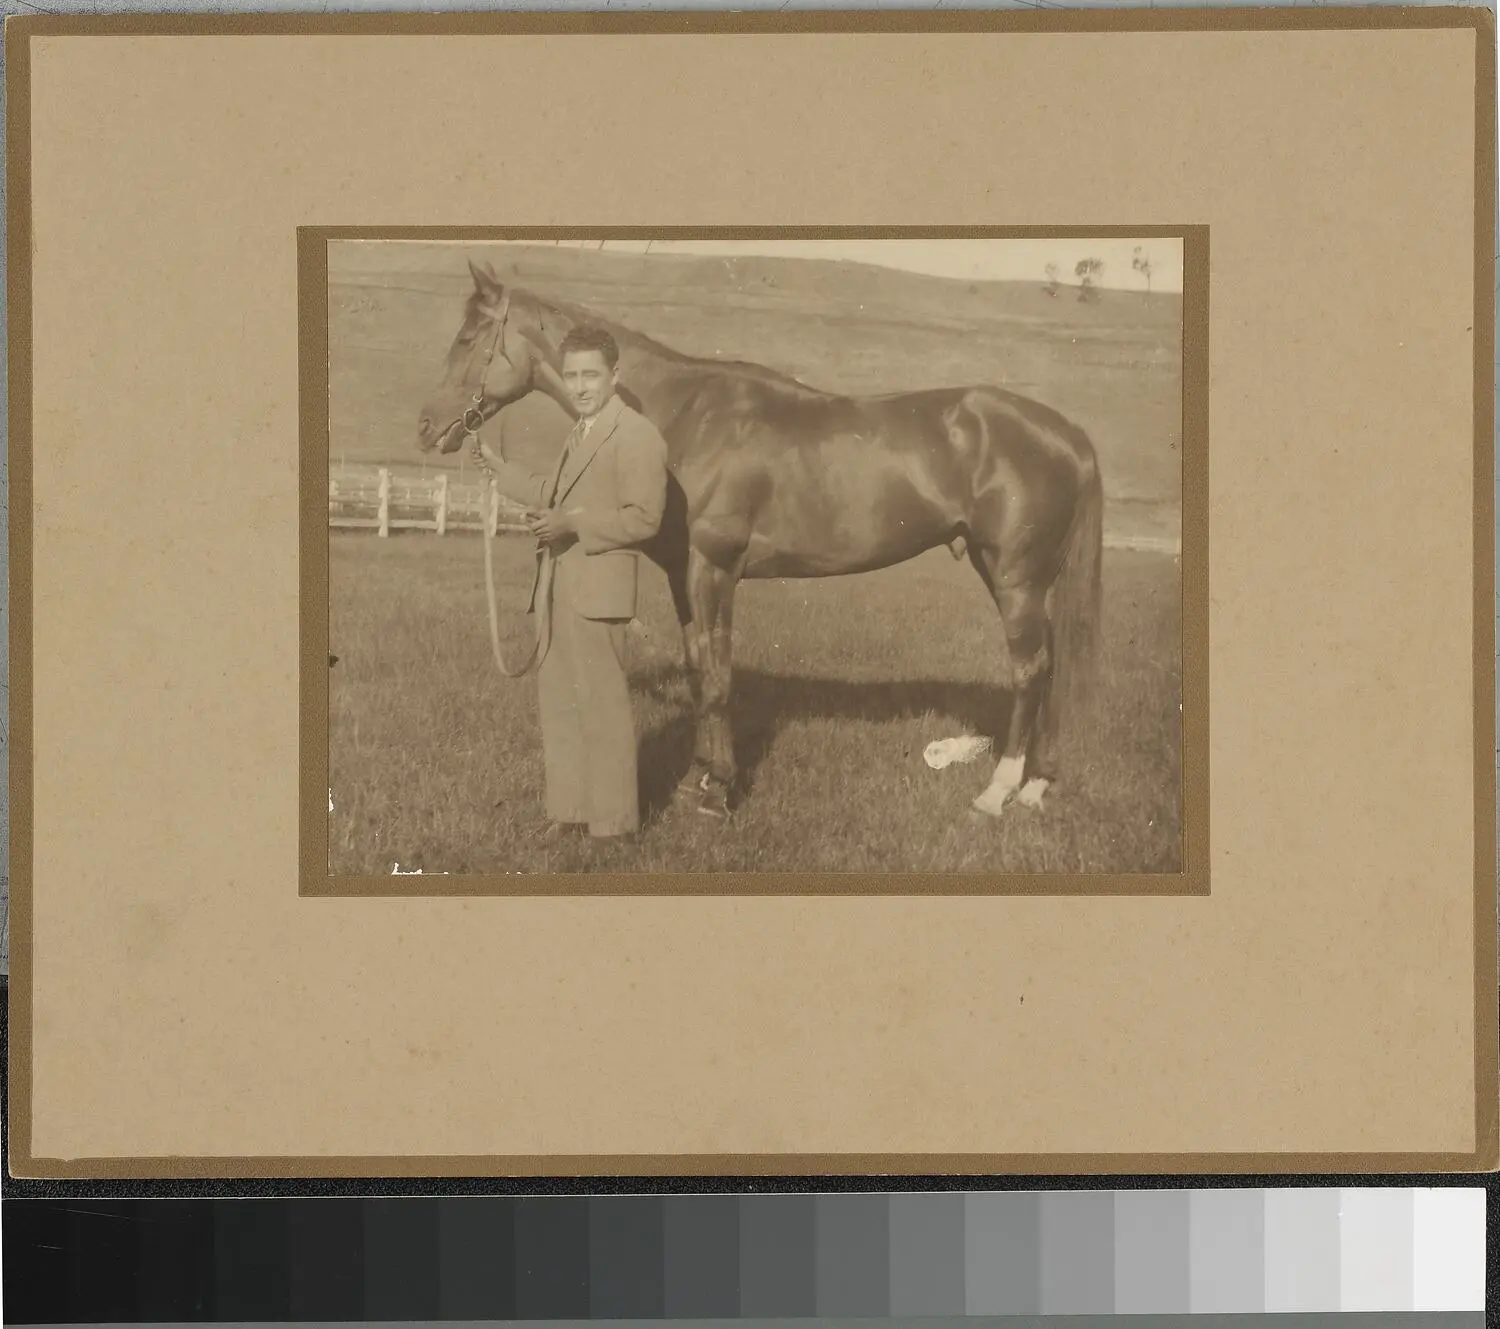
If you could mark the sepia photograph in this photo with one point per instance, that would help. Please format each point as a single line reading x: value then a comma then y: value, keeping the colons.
x: 747, y: 555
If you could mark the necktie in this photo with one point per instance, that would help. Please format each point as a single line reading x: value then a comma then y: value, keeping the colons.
x: 574, y: 438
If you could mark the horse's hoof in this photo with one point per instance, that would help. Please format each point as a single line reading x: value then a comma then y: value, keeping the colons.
x: 1001, y: 789
x: 714, y: 801
x: 1031, y: 793
x: 991, y: 803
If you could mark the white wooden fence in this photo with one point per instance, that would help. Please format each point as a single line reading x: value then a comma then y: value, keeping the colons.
x: 379, y: 500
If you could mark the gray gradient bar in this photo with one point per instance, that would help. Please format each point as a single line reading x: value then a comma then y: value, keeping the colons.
x: 1302, y: 1249
x: 627, y: 1257
x: 476, y: 1257
x: 778, y: 1255
x: 927, y: 1254
x: 1078, y: 1252
x: 853, y: 1248
x: 403, y: 1258
x: 1227, y: 1251
x: 552, y: 1256
x: 1151, y: 1253
x: 1003, y: 1253
x: 702, y: 1250
x: 1378, y: 1248
x: 1392, y: 1320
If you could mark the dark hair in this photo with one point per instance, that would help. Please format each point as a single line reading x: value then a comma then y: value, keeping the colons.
x: 587, y: 338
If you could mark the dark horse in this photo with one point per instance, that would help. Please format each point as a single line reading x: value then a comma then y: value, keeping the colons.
x: 772, y: 478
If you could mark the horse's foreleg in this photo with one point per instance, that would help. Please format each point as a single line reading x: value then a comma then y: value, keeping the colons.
x: 1025, y: 767
x: 711, y: 591
x: 705, y: 645
x: 695, y: 637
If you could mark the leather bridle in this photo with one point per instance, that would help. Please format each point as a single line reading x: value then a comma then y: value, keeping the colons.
x: 474, y: 416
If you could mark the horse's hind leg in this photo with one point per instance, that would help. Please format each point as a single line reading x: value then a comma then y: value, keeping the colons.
x: 1026, y: 763
x: 1041, y: 753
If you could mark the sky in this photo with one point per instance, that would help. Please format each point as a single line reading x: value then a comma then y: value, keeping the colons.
x: 985, y: 260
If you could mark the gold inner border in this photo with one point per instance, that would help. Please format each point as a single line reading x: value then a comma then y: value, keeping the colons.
x: 314, y: 876
x: 22, y: 1162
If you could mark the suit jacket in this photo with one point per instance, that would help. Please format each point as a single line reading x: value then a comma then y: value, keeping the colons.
x: 616, y: 482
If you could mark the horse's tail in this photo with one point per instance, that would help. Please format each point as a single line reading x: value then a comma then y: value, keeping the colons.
x: 1077, y: 601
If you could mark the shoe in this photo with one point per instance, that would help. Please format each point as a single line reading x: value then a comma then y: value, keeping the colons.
x: 690, y: 788
x: 714, y: 801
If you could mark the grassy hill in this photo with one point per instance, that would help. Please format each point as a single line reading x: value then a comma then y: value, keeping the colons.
x: 1112, y: 366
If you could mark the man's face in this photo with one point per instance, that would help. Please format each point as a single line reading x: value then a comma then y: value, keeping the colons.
x: 589, y: 380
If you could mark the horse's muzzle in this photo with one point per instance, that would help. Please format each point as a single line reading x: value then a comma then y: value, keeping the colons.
x: 449, y: 440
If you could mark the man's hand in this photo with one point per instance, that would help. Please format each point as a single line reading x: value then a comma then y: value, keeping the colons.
x: 553, y: 527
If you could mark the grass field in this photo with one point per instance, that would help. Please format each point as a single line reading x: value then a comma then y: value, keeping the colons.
x: 839, y: 685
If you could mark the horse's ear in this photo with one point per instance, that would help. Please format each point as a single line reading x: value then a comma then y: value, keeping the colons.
x: 484, y: 278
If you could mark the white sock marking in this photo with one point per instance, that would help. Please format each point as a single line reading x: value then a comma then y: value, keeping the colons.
x: 1003, y: 784
x: 1031, y: 793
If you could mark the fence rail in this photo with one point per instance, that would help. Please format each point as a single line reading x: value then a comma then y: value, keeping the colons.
x: 381, y: 501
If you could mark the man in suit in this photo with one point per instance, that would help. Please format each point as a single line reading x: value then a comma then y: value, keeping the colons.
x: 605, y: 496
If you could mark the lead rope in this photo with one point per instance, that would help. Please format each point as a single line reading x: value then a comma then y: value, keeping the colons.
x: 543, y: 639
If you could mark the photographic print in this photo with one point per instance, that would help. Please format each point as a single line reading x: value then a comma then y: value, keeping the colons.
x: 809, y: 420
x: 756, y: 555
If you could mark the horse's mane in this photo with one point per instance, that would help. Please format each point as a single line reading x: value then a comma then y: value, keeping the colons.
x: 626, y: 335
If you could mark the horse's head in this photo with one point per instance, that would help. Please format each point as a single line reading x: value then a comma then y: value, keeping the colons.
x: 489, y: 365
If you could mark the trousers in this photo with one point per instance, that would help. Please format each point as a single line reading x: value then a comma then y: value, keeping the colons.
x: 588, y: 731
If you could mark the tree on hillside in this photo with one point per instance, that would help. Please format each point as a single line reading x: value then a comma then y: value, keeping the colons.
x: 1142, y: 264
x: 1086, y: 270
x: 1052, y: 286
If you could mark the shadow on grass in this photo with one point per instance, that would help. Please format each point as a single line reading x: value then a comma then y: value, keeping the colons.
x: 762, y: 704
